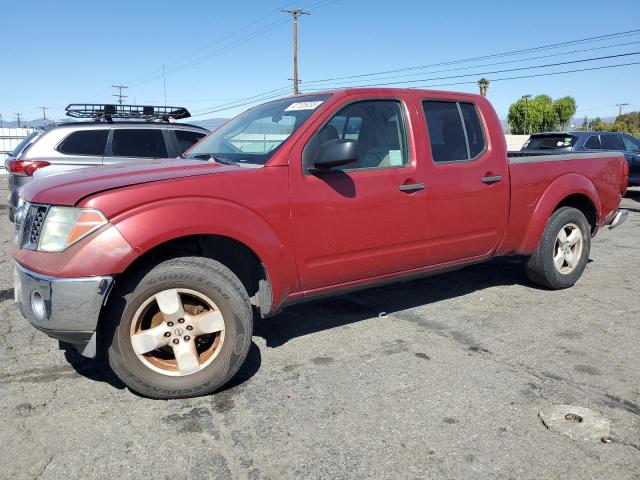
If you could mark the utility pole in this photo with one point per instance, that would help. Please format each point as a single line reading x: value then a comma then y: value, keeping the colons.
x: 526, y: 112
x: 18, y: 115
x: 119, y: 94
x: 44, y: 112
x: 0, y: 120
x: 620, y: 107
x: 295, y: 14
x: 164, y: 86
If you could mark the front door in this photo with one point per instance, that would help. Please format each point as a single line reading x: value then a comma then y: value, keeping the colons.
x: 467, y: 182
x: 366, y: 219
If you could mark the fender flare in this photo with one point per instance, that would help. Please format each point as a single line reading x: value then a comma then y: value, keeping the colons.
x: 557, y: 191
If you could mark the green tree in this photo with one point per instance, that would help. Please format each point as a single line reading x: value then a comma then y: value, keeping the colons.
x: 540, y: 114
x: 565, y: 108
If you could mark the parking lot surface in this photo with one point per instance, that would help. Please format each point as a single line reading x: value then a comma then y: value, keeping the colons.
x: 437, y: 378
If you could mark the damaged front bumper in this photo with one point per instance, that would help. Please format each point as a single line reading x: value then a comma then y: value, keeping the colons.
x: 64, y: 308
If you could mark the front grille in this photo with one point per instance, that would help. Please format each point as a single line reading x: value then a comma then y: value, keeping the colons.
x: 31, y: 225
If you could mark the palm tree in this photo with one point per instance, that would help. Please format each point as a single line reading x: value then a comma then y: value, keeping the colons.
x: 483, y: 83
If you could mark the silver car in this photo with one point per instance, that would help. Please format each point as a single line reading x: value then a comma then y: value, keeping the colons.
x: 75, y: 145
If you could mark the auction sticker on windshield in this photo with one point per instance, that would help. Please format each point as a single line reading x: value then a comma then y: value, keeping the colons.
x: 303, y: 106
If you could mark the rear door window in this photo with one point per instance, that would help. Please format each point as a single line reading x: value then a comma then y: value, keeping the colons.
x: 187, y: 139
x: 611, y: 141
x: 455, y: 130
x: 593, y: 143
x: 143, y: 143
x: 85, y: 142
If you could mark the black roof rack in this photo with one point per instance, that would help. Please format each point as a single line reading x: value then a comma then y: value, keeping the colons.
x: 106, y: 112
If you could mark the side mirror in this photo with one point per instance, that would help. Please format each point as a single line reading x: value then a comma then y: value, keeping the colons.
x: 335, y: 153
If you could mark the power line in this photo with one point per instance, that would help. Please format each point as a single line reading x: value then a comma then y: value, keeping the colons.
x: 546, y: 74
x: 495, y: 71
x: 485, y: 57
x: 505, y: 62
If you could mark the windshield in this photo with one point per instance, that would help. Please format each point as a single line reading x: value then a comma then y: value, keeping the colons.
x: 254, y: 136
x: 23, y: 144
x: 549, y: 142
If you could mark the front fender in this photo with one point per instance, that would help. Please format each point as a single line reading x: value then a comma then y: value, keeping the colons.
x: 558, y: 190
x: 150, y: 225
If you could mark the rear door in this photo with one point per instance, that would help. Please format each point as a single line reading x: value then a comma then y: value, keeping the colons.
x: 467, y: 182
x: 131, y: 144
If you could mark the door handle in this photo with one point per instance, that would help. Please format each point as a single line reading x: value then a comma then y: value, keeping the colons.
x: 490, y: 180
x: 411, y: 187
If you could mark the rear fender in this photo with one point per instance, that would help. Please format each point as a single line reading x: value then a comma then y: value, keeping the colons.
x: 557, y: 191
x: 151, y: 225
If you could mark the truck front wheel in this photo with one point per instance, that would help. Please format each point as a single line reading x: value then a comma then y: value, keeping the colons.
x: 181, y: 329
x: 563, y: 251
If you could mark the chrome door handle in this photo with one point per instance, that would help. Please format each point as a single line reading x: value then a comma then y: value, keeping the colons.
x: 411, y: 187
x: 490, y: 180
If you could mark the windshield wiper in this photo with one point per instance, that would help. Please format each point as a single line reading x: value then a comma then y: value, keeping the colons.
x: 211, y: 156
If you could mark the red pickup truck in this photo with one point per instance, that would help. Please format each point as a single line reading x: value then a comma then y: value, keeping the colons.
x: 162, y: 264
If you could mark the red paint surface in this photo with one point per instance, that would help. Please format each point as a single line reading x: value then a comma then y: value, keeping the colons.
x: 318, y: 235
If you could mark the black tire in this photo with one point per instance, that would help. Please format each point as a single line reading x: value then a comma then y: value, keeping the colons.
x: 541, y: 269
x: 203, y: 275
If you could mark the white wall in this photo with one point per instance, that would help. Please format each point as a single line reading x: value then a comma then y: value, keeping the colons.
x: 515, y: 142
x: 9, y: 139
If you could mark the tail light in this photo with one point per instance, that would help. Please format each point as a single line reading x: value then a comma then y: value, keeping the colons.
x: 24, y: 168
x: 625, y: 177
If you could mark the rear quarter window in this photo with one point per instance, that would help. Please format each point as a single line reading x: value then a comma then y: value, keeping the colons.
x: 84, y: 142
x: 187, y: 139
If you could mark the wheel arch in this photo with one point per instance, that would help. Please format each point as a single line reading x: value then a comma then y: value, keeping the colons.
x: 570, y: 190
x: 230, y: 233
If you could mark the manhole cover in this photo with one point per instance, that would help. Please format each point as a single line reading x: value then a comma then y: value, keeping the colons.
x: 577, y: 423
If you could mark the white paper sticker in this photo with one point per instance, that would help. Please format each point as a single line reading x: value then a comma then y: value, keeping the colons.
x: 303, y: 106
x: 395, y: 158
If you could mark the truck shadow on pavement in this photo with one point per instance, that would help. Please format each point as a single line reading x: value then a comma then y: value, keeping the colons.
x: 300, y: 320
x: 98, y: 369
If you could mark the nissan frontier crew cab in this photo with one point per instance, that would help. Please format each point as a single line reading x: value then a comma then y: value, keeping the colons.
x: 162, y: 264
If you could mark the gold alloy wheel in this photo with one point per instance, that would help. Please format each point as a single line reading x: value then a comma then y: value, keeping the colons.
x: 177, y: 332
x: 568, y: 248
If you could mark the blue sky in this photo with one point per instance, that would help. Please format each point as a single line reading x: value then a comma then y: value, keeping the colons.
x: 55, y: 53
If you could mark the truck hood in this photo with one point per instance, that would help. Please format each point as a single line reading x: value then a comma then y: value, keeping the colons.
x: 69, y: 188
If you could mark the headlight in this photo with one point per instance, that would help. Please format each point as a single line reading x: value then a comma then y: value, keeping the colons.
x: 64, y: 226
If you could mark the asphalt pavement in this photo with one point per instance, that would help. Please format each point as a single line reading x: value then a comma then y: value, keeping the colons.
x: 443, y: 377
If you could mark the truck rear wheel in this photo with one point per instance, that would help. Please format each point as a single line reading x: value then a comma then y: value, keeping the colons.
x: 181, y: 330
x: 563, y: 251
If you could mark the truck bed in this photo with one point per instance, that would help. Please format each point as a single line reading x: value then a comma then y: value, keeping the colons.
x: 539, y: 182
